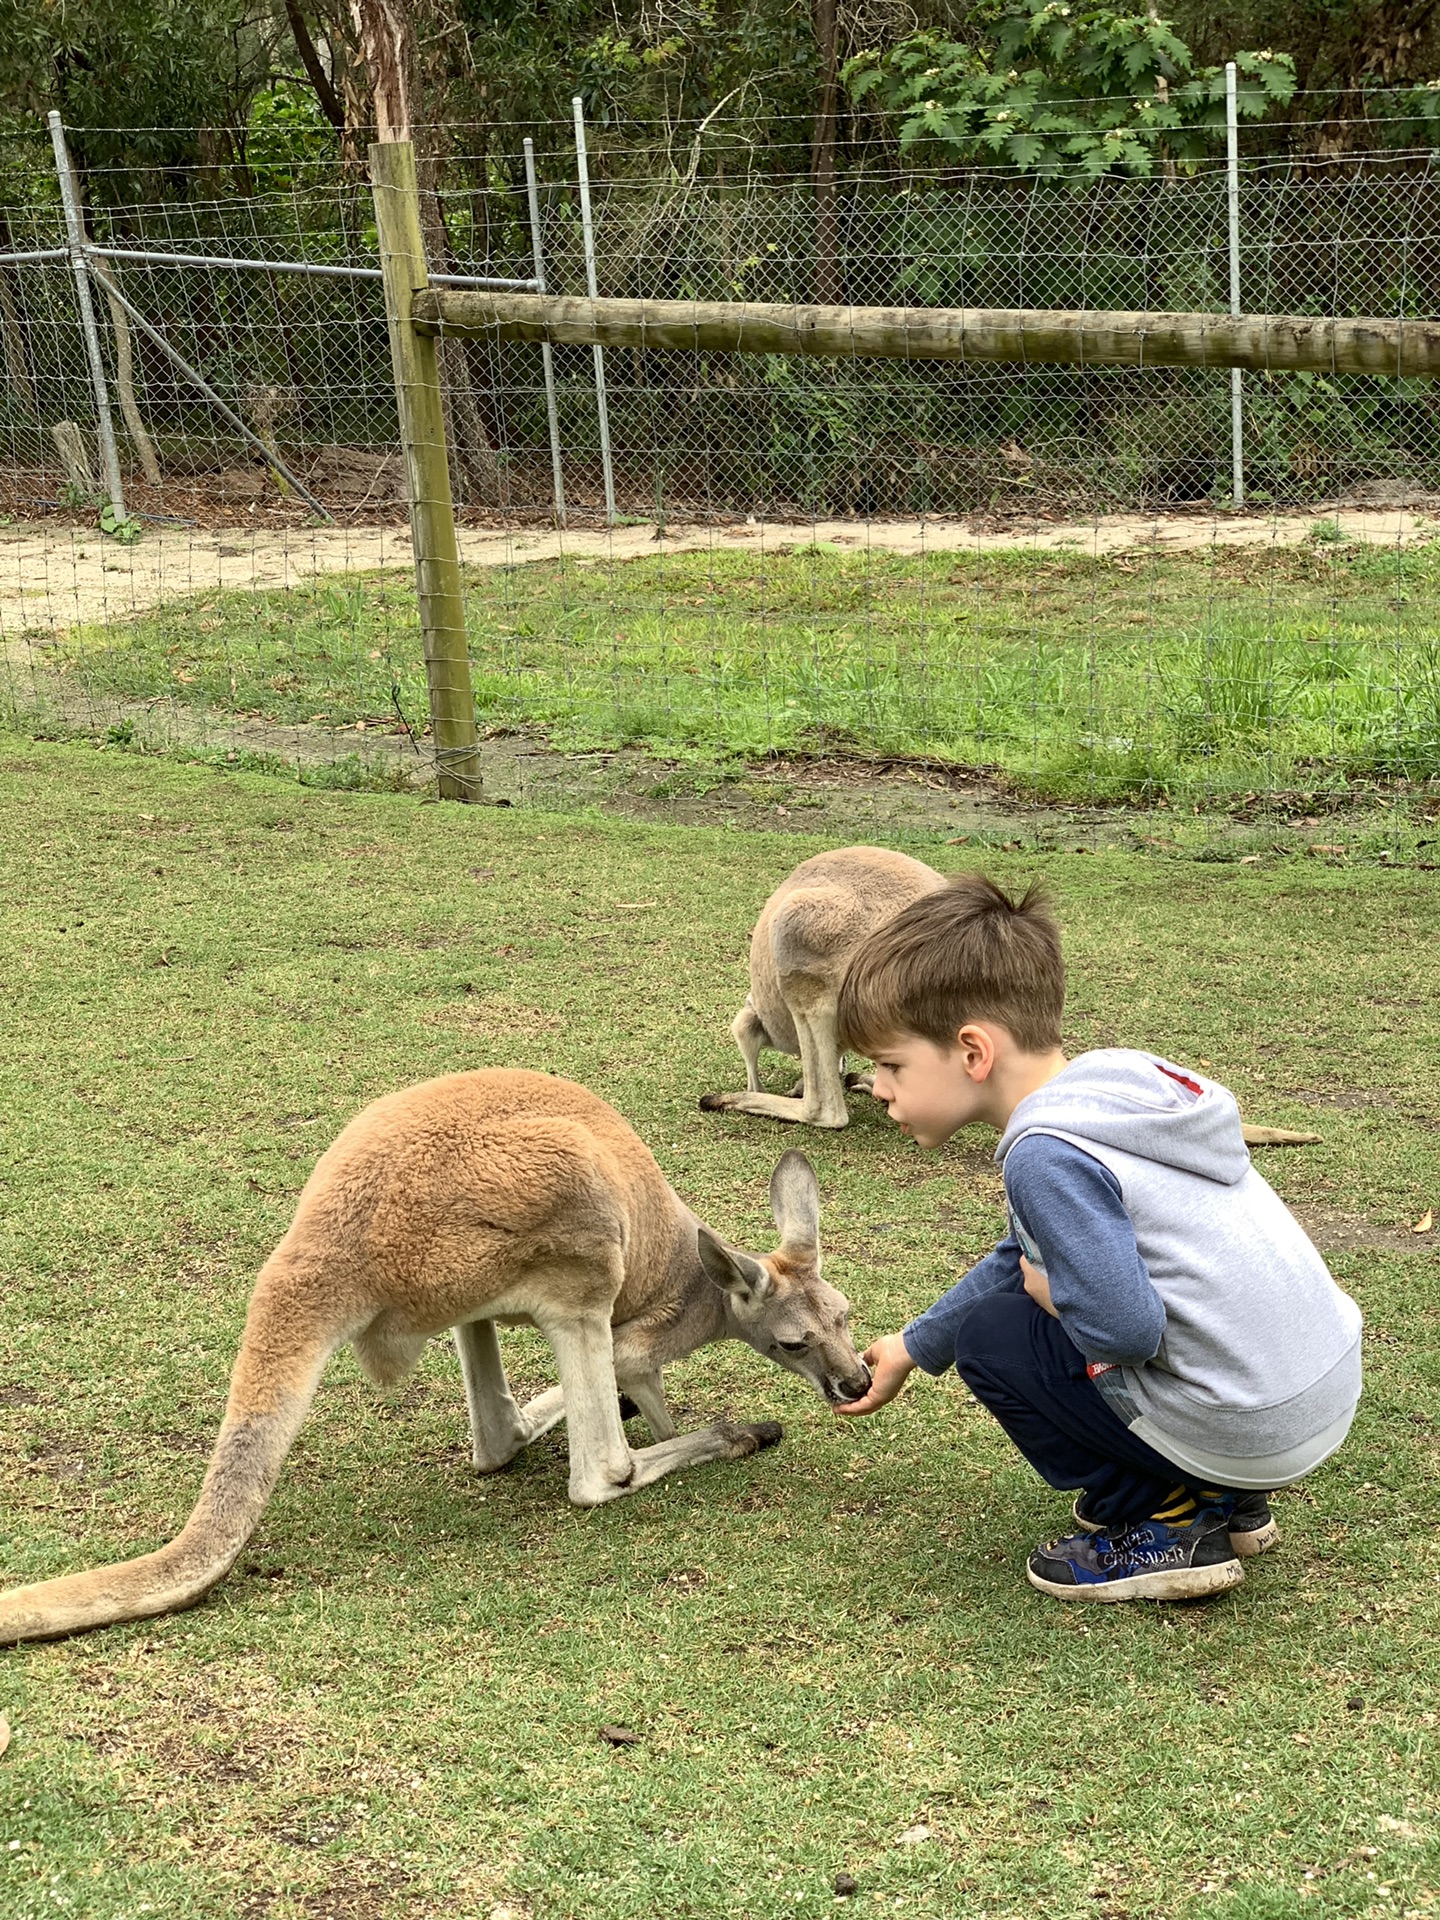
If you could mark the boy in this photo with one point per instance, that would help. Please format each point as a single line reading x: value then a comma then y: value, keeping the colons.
x: 1155, y: 1328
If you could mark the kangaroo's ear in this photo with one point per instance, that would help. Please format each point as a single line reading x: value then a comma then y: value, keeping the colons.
x: 733, y: 1272
x: 795, y: 1202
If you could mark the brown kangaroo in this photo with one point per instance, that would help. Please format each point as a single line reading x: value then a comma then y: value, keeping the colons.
x: 498, y: 1196
x: 808, y: 931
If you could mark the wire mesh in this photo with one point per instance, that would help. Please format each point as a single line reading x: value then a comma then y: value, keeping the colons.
x: 1028, y: 572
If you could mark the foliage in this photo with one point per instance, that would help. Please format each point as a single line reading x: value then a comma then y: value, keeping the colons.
x: 1062, y: 88
x: 124, y: 530
x: 136, y: 80
x: 228, y: 71
x: 288, y: 138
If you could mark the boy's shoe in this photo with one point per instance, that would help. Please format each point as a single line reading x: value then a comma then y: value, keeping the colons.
x: 1252, y: 1525
x: 1148, y: 1560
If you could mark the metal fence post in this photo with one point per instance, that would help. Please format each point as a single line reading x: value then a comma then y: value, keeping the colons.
x: 547, y: 358
x: 601, y: 409
x: 1232, y: 186
x: 75, y: 232
x: 427, y: 473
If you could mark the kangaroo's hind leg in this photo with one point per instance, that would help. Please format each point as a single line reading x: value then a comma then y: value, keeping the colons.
x: 821, y: 1100
x: 498, y: 1427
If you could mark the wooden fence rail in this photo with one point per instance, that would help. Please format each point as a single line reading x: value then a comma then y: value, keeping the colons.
x: 1027, y: 335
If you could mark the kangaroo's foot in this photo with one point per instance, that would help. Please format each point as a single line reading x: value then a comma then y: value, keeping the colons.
x: 776, y: 1106
x: 726, y: 1440
x: 1277, y: 1137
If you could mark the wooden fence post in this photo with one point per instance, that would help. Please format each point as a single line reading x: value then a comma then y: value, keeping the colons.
x: 427, y: 473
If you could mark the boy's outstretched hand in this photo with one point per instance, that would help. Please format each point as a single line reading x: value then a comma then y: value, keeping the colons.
x: 890, y: 1367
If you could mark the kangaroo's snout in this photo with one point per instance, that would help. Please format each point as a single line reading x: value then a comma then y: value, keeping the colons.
x: 838, y: 1392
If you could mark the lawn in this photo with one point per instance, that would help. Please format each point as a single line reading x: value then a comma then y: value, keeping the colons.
x: 1187, y: 673
x: 392, y: 1707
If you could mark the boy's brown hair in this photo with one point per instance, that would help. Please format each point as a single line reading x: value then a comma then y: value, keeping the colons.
x: 965, y: 952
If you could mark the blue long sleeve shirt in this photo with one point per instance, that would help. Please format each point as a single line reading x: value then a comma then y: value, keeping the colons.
x: 1067, y: 1218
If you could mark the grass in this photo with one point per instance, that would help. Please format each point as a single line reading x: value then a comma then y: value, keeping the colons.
x: 1190, y: 674
x: 392, y: 1706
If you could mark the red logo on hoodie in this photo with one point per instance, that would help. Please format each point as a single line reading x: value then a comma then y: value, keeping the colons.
x: 1190, y: 1086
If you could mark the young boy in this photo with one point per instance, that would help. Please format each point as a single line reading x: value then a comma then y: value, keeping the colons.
x: 1155, y: 1328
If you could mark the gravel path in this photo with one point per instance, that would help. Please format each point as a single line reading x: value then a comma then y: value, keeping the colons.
x: 54, y: 577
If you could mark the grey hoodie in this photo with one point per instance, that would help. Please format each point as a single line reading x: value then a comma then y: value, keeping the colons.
x: 1258, y: 1371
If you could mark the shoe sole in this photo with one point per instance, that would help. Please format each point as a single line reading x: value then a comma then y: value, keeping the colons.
x: 1189, y: 1583
x: 1257, y: 1540
x: 1247, y: 1545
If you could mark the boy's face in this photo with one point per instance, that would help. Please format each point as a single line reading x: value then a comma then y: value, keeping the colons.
x: 932, y: 1091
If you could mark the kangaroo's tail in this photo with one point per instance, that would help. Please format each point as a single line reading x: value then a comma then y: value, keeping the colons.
x: 1277, y: 1137
x: 276, y: 1374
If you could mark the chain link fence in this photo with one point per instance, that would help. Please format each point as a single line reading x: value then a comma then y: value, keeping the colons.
x: 1028, y: 570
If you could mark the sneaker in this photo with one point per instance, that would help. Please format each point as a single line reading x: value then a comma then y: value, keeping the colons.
x: 1252, y: 1525
x: 1148, y: 1560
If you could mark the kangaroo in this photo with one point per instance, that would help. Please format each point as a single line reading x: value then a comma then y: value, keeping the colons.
x: 496, y: 1196
x: 807, y: 933
x: 803, y: 941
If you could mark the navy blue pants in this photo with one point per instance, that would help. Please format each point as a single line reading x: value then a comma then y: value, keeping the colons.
x: 1020, y: 1363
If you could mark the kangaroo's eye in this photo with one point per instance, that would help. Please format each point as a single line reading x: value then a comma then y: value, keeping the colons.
x: 792, y: 1346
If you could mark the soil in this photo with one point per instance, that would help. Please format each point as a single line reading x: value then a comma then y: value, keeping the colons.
x: 1344, y: 1233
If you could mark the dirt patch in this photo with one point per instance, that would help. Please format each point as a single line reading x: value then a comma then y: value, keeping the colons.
x: 1363, y: 1100
x: 1335, y: 1232
x: 353, y: 1892
x: 490, y: 1014
x: 1342, y: 1099
x: 57, y: 576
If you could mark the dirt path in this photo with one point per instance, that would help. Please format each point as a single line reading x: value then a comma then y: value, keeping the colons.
x: 53, y: 577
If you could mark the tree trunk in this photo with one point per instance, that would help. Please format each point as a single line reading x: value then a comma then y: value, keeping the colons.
x: 305, y: 46
x: 12, y: 340
x: 829, y: 290
x: 125, y: 378
x: 388, y: 43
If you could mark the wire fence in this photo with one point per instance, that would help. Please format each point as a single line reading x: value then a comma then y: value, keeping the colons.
x: 1029, y: 570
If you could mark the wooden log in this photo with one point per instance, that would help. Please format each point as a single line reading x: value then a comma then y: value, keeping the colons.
x: 1027, y: 335
x: 427, y: 473
x: 75, y: 458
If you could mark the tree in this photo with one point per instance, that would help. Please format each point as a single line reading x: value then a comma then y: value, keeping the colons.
x: 137, y: 80
x: 1060, y: 88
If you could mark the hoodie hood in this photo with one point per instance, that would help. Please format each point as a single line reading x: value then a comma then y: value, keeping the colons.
x: 1138, y: 1104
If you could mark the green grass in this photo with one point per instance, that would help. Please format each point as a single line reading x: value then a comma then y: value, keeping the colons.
x: 1185, y: 673
x: 392, y: 1706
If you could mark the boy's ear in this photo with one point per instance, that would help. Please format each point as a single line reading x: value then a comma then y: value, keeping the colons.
x: 735, y: 1273
x: 977, y: 1050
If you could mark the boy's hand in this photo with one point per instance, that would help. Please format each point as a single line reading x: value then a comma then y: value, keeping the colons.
x: 1037, y: 1285
x: 890, y: 1367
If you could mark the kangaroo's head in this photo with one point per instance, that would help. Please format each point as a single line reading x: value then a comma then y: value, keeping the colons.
x: 778, y: 1303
